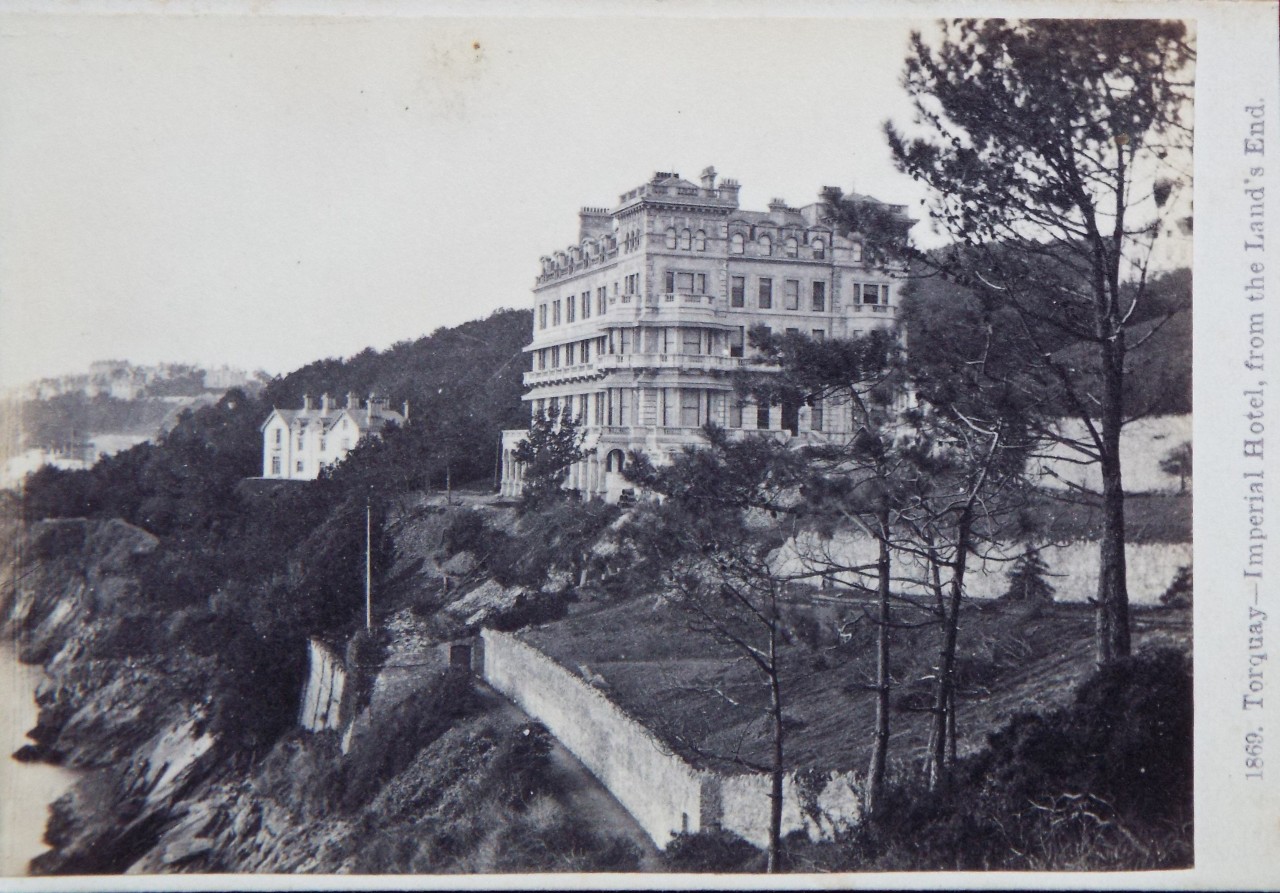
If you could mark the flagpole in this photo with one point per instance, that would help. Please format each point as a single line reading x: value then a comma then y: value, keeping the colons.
x: 368, y: 566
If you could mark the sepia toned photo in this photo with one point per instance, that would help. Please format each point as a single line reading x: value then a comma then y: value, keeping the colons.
x: 639, y: 449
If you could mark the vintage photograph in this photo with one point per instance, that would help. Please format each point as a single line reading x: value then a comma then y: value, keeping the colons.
x: 593, y: 444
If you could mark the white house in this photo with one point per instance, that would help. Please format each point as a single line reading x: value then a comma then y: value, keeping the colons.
x: 298, y: 443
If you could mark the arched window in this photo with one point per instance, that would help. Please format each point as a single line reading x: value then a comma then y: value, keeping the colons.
x: 819, y: 249
x: 766, y: 245
x: 736, y: 243
x: 686, y: 239
x: 671, y: 237
x: 792, y: 247
x: 699, y: 241
x: 615, y: 461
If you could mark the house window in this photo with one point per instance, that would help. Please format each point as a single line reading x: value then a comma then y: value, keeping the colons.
x: 819, y: 249
x: 855, y: 252
x: 301, y: 442
x: 766, y: 245
x: 793, y: 331
x: 542, y: 316
x: 762, y: 416
x: 737, y: 340
x: 819, y: 335
x: 275, y: 465
x: 688, y: 408
x: 686, y: 239
x: 736, y: 244
x: 815, y: 416
x: 738, y: 292
x: 346, y: 444
x: 570, y: 309
x: 700, y: 241
x: 765, y: 298
x: 279, y: 433
x: 819, y: 297
x: 671, y: 237
x: 299, y: 466
x: 871, y: 294
x: 792, y: 247
x: 791, y: 294
x: 323, y: 441
x: 735, y: 413
x: 555, y: 313
x: 692, y: 341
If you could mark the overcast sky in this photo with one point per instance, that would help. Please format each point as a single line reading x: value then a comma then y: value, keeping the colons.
x: 266, y: 191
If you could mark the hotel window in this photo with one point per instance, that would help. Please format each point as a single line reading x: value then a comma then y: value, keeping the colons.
x: 737, y: 244
x: 791, y: 294
x: 684, y: 283
x: 582, y: 409
x: 275, y: 464
x: 542, y: 359
x: 692, y: 341
x: 792, y: 247
x: 586, y: 305
x: 766, y: 245
x: 815, y: 416
x: 819, y: 335
x: 624, y: 341
x: 855, y: 252
x: 599, y: 407
x: 554, y: 407
x: 819, y: 297
x: 819, y: 249
x: 736, y: 342
x: 555, y: 358
x: 762, y: 416
x: 688, y: 408
x: 555, y: 313
x: 570, y: 309
x: 671, y: 282
x: 651, y: 340
x: 871, y: 294
x: 735, y: 413
x: 765, y: 297
x: 542, y: 316
x: 671, y: 237
x: 626, y: 406
x: 699, y: 241
x: 569, y: 350
x: 702, y: 283
x: 586, y: 351
x: 686, y: 239
x: 602, y: 294
x: 738, y: 292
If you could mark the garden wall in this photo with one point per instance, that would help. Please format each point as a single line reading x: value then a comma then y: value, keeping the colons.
x: 661, y: 791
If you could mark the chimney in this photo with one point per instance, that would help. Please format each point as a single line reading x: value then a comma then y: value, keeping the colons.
x: 353, y: 402
x: 307, y: 404
x: 709, y: 180
x: 593, y: 223
x: 406, y: 412
x: 831, y: 193
x: 777, y: 204
x: 326, y: 404
x: 729, y: 191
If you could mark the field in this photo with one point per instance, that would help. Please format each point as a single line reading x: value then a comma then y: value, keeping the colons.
x: 704, y: 700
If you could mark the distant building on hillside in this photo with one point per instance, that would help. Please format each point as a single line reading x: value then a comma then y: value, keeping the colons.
x: 298, y: 443
x: 640, y: 324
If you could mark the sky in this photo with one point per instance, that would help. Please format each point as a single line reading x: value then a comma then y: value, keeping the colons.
x: 264, y: 192
x: 267, y: 191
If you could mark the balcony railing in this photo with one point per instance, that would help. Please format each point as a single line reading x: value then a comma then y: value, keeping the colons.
x: 685, y: 361
x: 871, y: 308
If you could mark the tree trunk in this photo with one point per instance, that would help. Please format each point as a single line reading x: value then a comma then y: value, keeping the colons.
x: 1113, y: 593
x: 776, y: 765
x: 880, y: 750
x: 944, y: 700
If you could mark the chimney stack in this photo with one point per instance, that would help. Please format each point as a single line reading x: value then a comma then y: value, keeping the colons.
x: 729, y: 191
x: 326, y: 404
x: 709, y: 180
x: 353, y: 402
x: 307, y: 404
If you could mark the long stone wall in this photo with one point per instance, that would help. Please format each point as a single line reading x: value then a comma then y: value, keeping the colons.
x: 1073, y: 567
x: 322, y: 695
x: 661, y: 791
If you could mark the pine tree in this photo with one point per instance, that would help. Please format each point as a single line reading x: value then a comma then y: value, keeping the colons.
x: 1027, y: 581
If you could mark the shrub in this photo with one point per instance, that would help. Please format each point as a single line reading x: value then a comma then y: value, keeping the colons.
x: 711, y: 851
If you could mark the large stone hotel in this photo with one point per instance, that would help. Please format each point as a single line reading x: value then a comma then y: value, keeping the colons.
x: 638, y: 326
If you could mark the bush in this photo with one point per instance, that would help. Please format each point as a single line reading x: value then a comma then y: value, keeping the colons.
x: 711, y: 851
